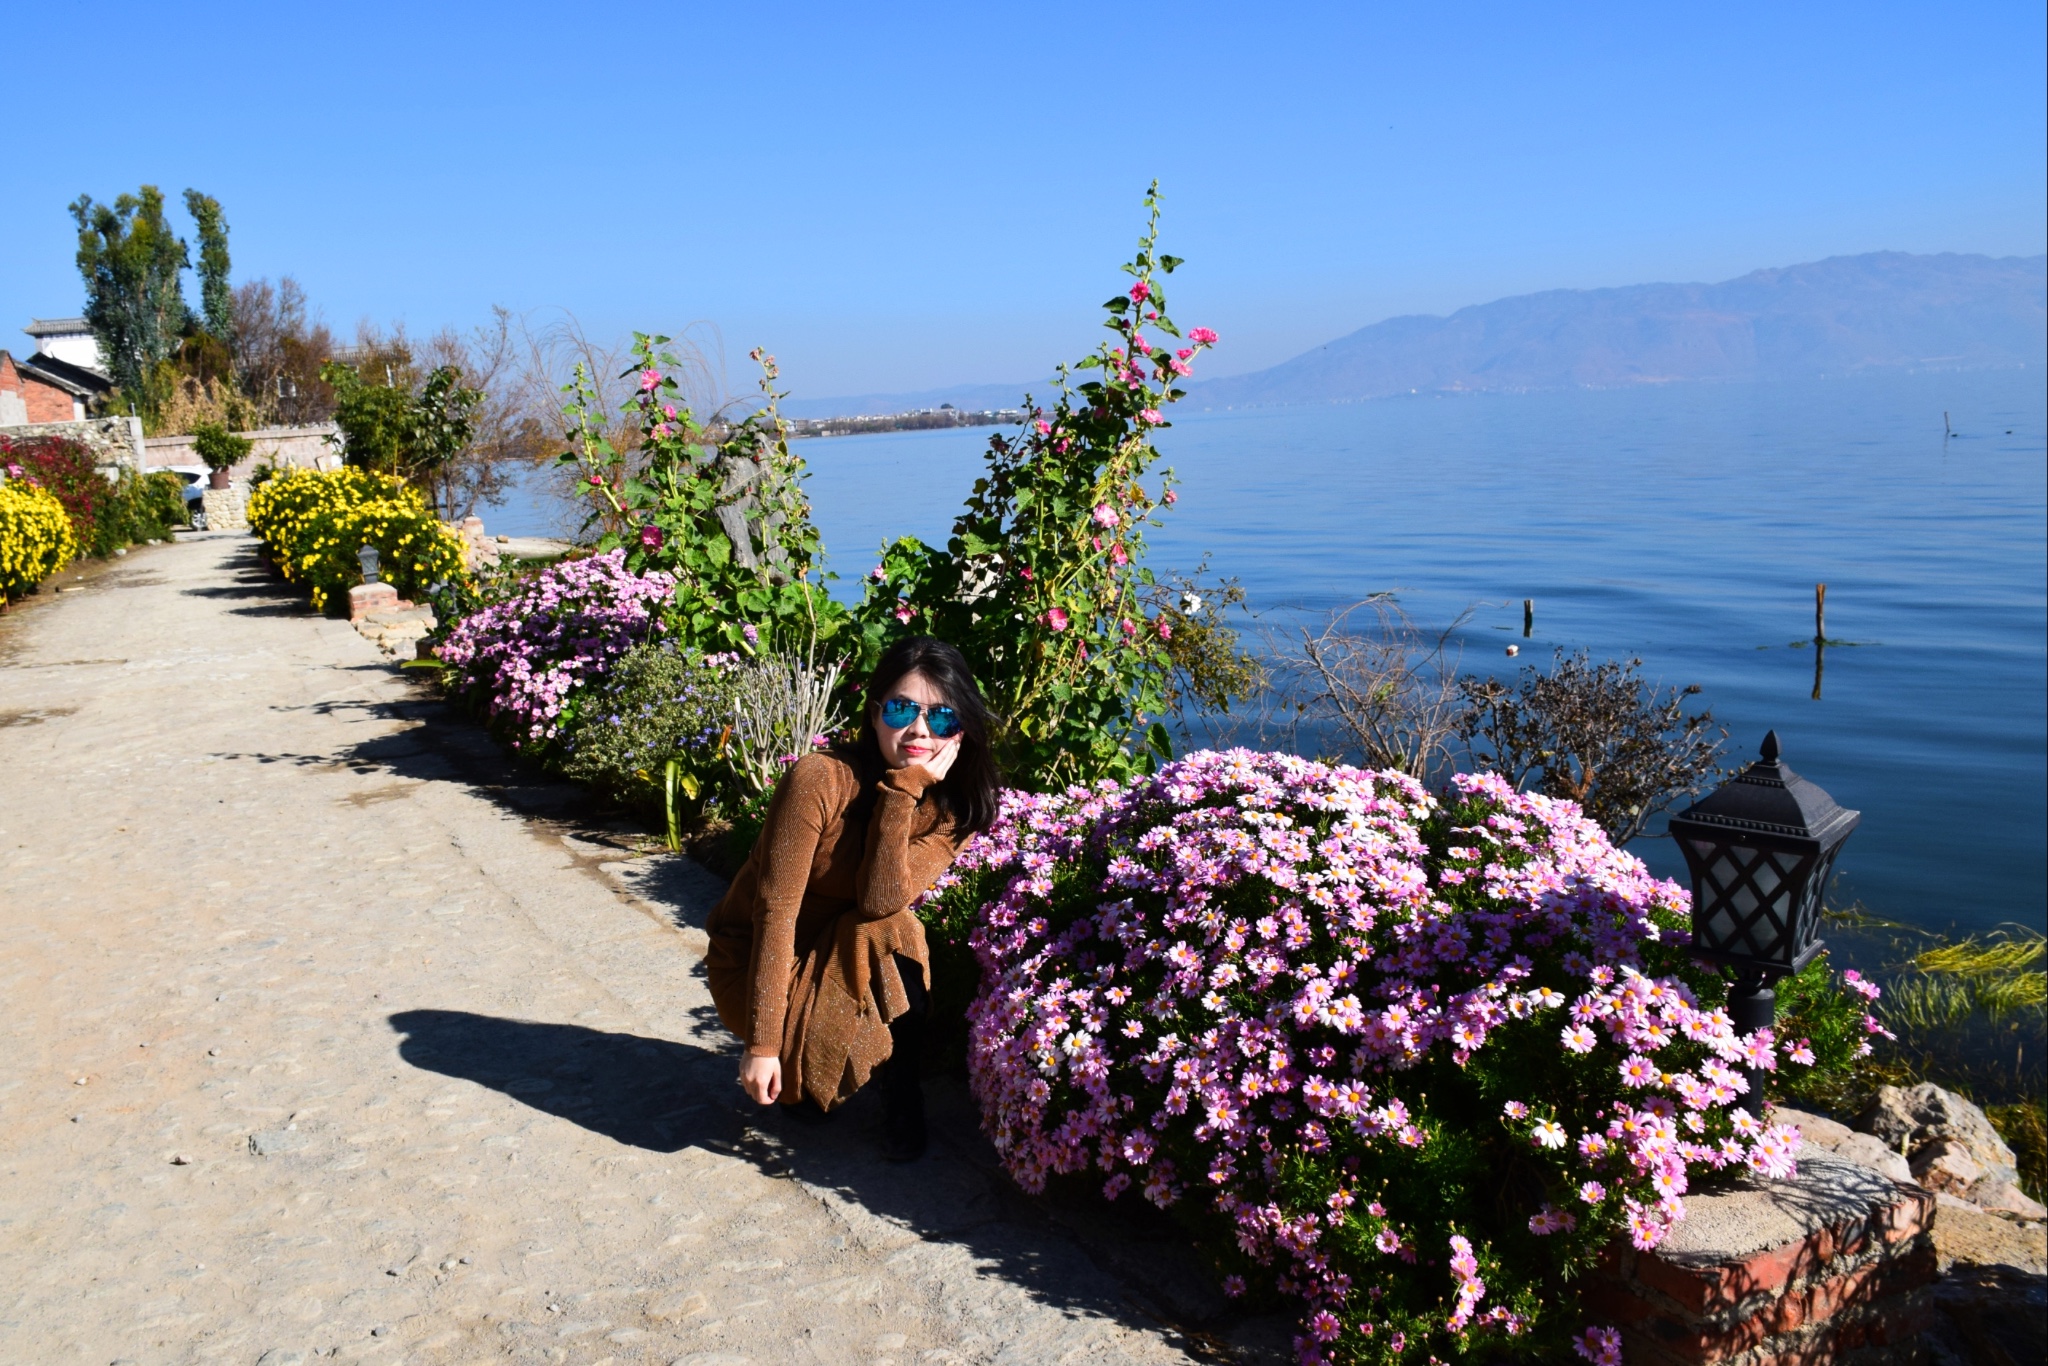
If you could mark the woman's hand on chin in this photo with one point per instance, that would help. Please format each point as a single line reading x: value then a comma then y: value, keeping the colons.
x: 762, y: 1079
x: 940, y: 761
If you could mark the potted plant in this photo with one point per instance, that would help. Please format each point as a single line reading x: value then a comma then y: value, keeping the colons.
x: 221, y: 449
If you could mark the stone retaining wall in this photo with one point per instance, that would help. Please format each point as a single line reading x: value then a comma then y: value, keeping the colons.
x: 282, y: 447
x: 116, y: 442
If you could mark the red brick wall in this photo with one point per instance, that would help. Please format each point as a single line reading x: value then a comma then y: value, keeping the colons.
x: 1844, y: 1293
x: 45, y: 402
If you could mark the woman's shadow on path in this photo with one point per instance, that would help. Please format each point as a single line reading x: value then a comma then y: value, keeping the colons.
x: 663, y: 1096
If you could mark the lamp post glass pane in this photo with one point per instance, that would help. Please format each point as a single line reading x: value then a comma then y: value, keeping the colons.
x: 368, y: 558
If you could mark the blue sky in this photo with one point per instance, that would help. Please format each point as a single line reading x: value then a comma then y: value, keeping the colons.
x: 897, y: 197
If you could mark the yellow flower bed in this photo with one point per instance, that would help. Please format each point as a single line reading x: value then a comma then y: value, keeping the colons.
x: 35, y: 537
x: 315, y: 523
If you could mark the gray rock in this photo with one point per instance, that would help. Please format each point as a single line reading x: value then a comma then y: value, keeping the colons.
x: 1871, y: 1153
x: 272, y: 1142
x: 1818, y: 1130
x: 1907, y: 1117
x: 2003, y: 1197
x: 1946, y: 1165
x: 1914, y: 1119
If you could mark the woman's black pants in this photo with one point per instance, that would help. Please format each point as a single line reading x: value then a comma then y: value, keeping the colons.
x: 902, y: 1079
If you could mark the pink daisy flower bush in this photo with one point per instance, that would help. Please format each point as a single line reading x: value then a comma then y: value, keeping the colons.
x: 531, y: 654
x: 1407, y: 1063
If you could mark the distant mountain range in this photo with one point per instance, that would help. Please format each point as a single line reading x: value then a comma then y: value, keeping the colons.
x: 1883, y: 310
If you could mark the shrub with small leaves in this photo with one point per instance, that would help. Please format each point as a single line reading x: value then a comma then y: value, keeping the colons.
x: 655, y: 705
x: 35, y: 535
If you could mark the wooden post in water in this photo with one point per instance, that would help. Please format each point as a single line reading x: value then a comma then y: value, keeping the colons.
x: 1820, y: 634
x: 1528, y: 617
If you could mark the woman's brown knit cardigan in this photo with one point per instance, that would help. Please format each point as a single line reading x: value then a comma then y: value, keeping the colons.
x: 802, y: 959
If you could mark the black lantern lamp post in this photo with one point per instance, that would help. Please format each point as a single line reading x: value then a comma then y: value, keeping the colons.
x: 1760, y: 848
x: 367, y: 557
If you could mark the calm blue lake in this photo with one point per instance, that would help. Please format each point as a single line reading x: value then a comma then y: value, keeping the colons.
x: 1686, y: 525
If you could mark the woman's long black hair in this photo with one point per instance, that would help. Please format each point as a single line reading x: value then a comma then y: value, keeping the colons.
x: 970, y: 787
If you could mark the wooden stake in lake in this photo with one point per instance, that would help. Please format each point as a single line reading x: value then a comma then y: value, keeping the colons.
x: 1528, y: 617
x: 1820, y: 634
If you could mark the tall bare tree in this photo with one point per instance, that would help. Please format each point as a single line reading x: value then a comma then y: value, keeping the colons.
x: 280, y: 346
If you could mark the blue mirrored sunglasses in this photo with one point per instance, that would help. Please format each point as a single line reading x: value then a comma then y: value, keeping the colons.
x: 899, y: 712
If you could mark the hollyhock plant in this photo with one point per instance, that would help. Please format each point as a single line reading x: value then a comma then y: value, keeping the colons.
x: 1377, y: 1048
x: 529, y: 656
x: 1046, y: 563
x: 666, y: 489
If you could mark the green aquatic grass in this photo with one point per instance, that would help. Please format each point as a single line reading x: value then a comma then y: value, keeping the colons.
x: 1970, y: 1015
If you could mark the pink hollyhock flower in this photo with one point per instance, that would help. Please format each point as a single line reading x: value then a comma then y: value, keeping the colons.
x: 650, y: 537
x: 1152, y: 416
x: 1044, y: 427
x: 1140, y: 292
x: 903, y: 612
x: 668, y: 411
x: 1024, y: 573
x: 1128, y: 627
x: 1165, y: 629
x: 1169, y: 498
x: 1202, y: 336
x: 1181, y: 367
x: 1118, y: 555
x: 1056, y: 618
x: 596, y: 480
x: 648, y: 380
x: 1105, y: 515
x: 881, y: 575
x: 1185, y: 353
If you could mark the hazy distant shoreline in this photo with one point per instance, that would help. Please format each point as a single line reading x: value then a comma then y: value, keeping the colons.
x: 1883, y: 311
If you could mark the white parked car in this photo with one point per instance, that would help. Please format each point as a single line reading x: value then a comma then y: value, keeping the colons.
x: 195, y: 477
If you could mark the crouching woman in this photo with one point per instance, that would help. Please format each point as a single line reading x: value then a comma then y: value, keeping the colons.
x: 816, y: 960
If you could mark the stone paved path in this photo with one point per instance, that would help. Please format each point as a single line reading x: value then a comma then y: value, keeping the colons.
x: 329, y: 1036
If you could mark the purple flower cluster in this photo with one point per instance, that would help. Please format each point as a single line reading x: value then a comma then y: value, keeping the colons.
x: 531, y: 653
x: 1260, y: 985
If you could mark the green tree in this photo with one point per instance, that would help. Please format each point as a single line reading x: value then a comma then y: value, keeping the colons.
x: 373, y: 418
x: 216, y: 295
x: 390, y: 429
x: 443, y: 423
x: 131, y: 262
